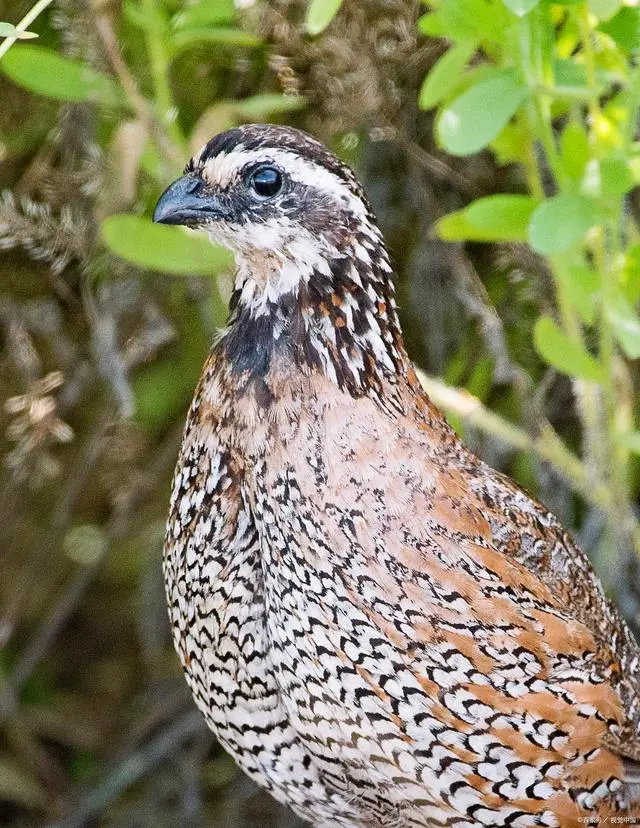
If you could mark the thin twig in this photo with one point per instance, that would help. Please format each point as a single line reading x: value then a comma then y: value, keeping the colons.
x: 439, y: 168
x: 23, y: 25
x: 138, y: 102
x: 547, y: 446
x: 133, y: 768
x: 473, y: 295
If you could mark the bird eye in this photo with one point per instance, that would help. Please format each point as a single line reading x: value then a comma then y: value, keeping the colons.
x: 266, y: 182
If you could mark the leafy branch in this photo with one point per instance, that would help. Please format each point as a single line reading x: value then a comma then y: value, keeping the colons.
x: 553, y: 87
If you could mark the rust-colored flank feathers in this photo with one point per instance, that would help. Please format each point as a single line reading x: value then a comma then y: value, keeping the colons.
x: 381, y: 630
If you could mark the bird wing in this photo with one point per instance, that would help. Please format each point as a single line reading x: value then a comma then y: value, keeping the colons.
x: 526, y: 532
x: 465, y: 651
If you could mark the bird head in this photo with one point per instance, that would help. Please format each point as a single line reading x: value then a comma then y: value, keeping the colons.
x: 305, y: 239
x: 260, y: 188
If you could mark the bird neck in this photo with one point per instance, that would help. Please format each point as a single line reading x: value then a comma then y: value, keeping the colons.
x: 328, y: 308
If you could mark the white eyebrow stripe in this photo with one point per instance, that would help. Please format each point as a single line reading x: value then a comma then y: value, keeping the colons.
x: 224, y: 167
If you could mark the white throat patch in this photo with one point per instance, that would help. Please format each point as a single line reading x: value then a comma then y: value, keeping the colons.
x: 276, y: 263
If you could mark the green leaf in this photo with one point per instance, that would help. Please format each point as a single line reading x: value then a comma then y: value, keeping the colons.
x: 571, y: 81
x: 480, y: 383
x: 624, y: 28
x: 470, y: 20
x: 574, y: 149
x: 569, y: 357
x: 494, y: 218
x: 604, y: 9
x: 615, y: 176
x: 455, y: 227
x: 625, y: 322
x: 507, y: 215
x: 571, y: 78
x: 630, y: 281
x: 478, y: 115
x: 205, y: 13
x: 161, y: 247
x: 608, y: 178
x: 185, y: 38
x: 634, y: 167
x: 445, y: 74
x: 630, y: 441
x: 46, y: 72
x: 133, y: 13
x: 258, y: 107
x: 432, y: 25
x: 560, y: 222
x: 9, y: 30
x: 320, y: 13
x: 521, y: 7
x: 581, y: 285
x: 507, y: 145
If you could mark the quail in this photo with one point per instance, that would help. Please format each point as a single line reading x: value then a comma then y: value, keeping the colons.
x: 379, y: 628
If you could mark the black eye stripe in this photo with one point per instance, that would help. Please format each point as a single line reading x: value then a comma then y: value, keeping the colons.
x: 266, y: 182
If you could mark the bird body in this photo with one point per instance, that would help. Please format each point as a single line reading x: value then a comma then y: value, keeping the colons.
x: 379, y: 628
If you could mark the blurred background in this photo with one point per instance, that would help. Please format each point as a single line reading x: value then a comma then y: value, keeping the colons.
x: 105, y: 321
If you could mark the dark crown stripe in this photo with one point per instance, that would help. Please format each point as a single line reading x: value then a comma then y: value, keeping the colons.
x: 259, y: 136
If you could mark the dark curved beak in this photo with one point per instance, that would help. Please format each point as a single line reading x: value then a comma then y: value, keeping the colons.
x: 184, y: 202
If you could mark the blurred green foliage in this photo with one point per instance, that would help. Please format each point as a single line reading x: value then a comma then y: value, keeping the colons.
x: 559, y: 94
x: 498, y: 142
